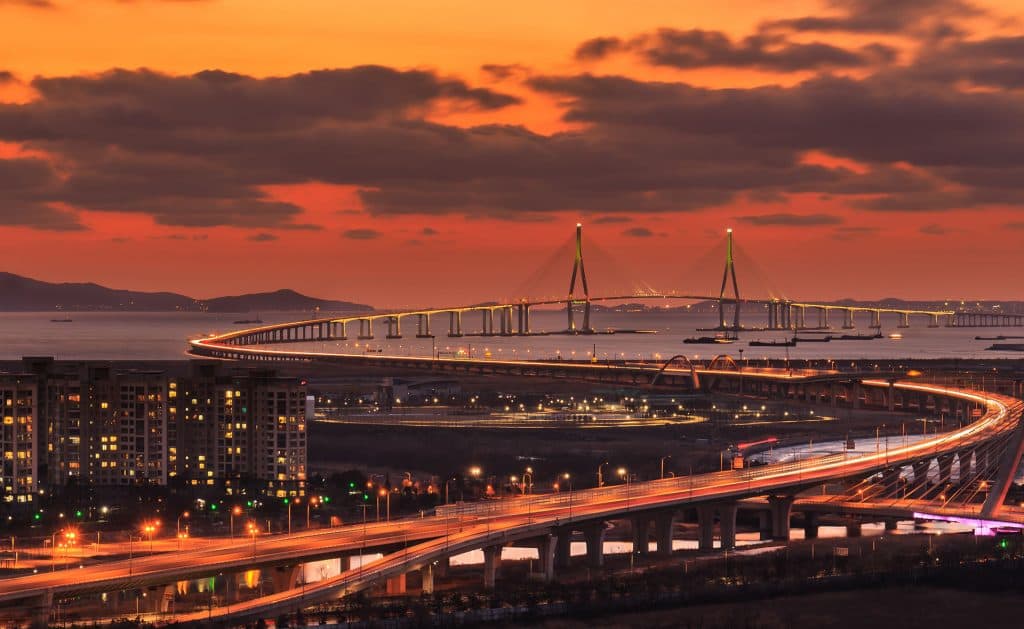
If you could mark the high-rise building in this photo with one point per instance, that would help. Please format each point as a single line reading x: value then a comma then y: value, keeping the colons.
x: 201, y: 423
x: 19, y: 475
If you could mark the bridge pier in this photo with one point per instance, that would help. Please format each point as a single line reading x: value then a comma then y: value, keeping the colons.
x: 455, y: 323
x: 854, y: 528
x: 705, y: 527
x: 810, y: 525
x: 427, y: 579
x: 781, y: 510
x: 921, y: 471
x: 848, y: 322
x: 563, y: 548
x: 394, y: 327
x: 594, y: 535
x: 396, y: 585
x: 904, y: 320
x: 945, y: 462
x: 641, y: 526
x: 487, y: 322
x: 159, y: 598
x: 727, y: 524
x: 664, y: 524
x: 546, y: 554
x: 39, y: 608
x: 876, y: 319
x: 524, y: 319
x: 964, y: 459
x: 285, y: 578
x: 492, y: 559
x: 423, y: 327
x: 366, y: 329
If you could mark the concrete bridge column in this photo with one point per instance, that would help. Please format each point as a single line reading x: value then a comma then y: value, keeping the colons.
x: 492, y: 559
x: 876, y: 319
x: 764, y: 524
x: 343, y: 330
x: 427, y: 579
x: 396, y: 585
x: 284, y: 578
x: 945, y: 462
x: 964, y: 457
x: 39, y: 608
x: 594, y: 534
x: 563, y: 548
x: 423, y: 330
x: 848, y: 323
x: 159, y: 598
x: 781, y: 510
x: 727, y: 524
x: 641, y: 527
x: 487, y: 322
x: 771, y: 315
x: 455, y: 323
x: 891, y: 524
x: 853, y: 528
x: 825, y: 314
x: 705, y: 527
x: 442, y: 566
x: 664, y: 524
x: 526, y: 320
x: 394, y: 327
x: 921, y: 471
x: 546, y: 555
x: 810, y: 525
x: 366, y: 329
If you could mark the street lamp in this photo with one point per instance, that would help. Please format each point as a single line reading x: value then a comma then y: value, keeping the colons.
x: 600, y: 476
x: 289, y: 503
x: 253, y: 531
x: 667, y: 456
x: 185, y: 515
x: 149, y: 528
x: 312, y: 500
x: 567, y: 478
x: 236, y: 510
x: 624, y: 474
x: 528, y: 481
x: 384, y: 493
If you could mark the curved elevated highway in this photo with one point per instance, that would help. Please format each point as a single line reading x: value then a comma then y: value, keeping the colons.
x: 548, y: 521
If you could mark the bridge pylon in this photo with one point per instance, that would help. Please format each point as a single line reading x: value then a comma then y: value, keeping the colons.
x: 730, y: 271
x: 578, y: 270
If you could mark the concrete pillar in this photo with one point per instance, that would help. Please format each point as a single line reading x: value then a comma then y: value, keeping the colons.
x: 284, y: 578
x: 965, y: 456
x: 810, y: 525
x: 641, y: 525
x: 781, y: 509
x: 427, y: 579
x: 39, y: 608
x: 563, y: 549
x: 727, y: 524
x: 891, y: 524
x: 945, y: 462
x: 764, y: 524
x: 546, y: 554
x: 442, y: 566
x: 664, y: 523
x: 921, y: 471
x: 492, y: 559
x: 705, y: 527
x: 853, y: 528
x: 594, y: 534
x: 158, y: 598
x: 396, y: 585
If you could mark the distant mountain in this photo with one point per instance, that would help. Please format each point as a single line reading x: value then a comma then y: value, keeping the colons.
x: 19, y: 293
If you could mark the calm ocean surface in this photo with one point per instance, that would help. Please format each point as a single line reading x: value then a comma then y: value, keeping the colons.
x: 163, y: 336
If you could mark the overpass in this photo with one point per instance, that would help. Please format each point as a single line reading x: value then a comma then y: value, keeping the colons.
x: 550, y: 521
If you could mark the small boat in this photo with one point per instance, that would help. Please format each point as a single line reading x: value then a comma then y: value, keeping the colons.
x: 783, y: 343
x: 708, y: 340
x: 858, y: 337
x: 257, y: 320
x: 896, y: 336
x: 812, y: 339
x: 61, y: 320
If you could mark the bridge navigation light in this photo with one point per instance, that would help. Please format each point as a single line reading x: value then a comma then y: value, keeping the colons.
x: 728, y: 230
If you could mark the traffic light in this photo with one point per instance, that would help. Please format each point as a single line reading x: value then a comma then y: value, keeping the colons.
x: 248, y: 503
x: 351, y: 485
x: 78, y: 513
x: 285, y: 502
x: 1004, y: 543
x: 213, y: 506
x: 327, y: 498
x: 38, y: 516
x: 366, y: 497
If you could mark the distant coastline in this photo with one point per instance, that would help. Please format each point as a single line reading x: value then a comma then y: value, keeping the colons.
x: 23, y: 294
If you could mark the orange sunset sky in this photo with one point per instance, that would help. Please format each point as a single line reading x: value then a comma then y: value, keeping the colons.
x: 412, y: 153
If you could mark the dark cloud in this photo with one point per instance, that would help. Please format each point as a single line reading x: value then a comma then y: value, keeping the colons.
x: 605, y: 220
x: 35, y: 4
x: 928, y: 17
x: 638, y: 232
x: 504, y: 71
x: 598, y: 48
x: 996, y: 62
x: 196, y: 150
x: 793, y: 220
x: 934, y: 229
x: 262, y: 237
x: 697, y: 48
x: 361, y: 234
x: 7, y: 77
x: 429, y: 231
x: 852, y: 232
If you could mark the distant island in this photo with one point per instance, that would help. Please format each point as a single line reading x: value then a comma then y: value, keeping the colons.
x: 23, y: 294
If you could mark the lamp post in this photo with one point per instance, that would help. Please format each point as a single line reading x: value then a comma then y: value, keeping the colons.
x: 236, y: 510
x: 253, y: 531
x: 528, y: 481
x: 600, y: 476
x: 149, y: 529
x: 186, y: 515
x: 310, y: 501
x: 667, y: 456
x: 567, y: 478
x: 624, y: 474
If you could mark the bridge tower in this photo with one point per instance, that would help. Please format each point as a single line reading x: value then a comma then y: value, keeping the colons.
x: 578, y: 269
x: 730, y: 270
